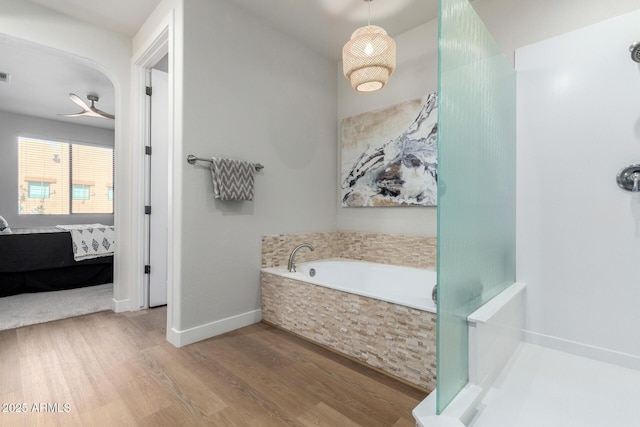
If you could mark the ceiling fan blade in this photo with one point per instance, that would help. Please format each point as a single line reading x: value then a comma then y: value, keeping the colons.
x: 102, y: 114
x: 80, y: 114
x: 85, y: 113
x: 75, y: 98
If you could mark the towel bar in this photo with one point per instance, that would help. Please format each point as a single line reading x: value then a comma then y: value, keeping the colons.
x: 191, y: 159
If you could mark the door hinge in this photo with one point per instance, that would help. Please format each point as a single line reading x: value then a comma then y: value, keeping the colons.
x: 147, y: 210
x: 147, y: 150
x: 148, y: 90
x: 147, y: 269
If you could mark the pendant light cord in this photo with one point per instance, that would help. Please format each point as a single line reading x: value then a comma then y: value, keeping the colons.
x: 369, y: 21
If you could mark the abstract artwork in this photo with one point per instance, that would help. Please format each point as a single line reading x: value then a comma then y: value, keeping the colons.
x: 390, y: 156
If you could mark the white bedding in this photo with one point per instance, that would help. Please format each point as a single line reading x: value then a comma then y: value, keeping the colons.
x: 90, y: 240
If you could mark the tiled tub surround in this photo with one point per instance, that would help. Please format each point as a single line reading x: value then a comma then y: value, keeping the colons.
x: 396, y: 249
x: 398, y: 340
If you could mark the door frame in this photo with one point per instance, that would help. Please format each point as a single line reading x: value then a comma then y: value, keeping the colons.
x: 161, y: 42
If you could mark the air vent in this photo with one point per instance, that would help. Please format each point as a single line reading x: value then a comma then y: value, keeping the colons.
x: 5, y: 77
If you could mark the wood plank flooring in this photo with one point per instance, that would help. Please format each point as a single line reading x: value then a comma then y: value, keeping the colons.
x: 107, y: 369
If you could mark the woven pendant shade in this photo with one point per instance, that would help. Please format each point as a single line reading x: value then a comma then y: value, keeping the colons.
x: 369, y: 58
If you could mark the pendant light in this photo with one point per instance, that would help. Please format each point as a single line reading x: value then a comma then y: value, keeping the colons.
x: 369, y: 58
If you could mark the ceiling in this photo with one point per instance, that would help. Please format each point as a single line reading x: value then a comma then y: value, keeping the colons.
x: 325, y: 25
x: 41, y: 79
x: 121, y: 16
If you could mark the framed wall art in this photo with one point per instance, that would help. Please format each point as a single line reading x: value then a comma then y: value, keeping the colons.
x: 390, y: 156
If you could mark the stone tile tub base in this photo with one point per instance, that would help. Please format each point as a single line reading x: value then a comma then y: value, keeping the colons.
x: 394, y: 339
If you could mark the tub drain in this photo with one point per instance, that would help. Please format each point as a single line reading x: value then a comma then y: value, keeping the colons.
x: 312, y: 272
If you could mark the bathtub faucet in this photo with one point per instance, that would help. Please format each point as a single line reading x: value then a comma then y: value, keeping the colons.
x: 291, y: 265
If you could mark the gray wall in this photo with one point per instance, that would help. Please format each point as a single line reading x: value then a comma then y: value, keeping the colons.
x: 266, y: 98
x: 254, y: 94
x: 11, y: 127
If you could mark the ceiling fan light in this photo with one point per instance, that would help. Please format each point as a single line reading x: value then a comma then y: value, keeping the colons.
x: 369, y: 58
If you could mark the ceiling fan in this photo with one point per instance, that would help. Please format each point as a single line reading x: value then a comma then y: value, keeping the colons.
x: 90, y: 111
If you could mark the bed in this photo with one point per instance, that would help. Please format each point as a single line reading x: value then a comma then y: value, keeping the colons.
x: 42, y: 259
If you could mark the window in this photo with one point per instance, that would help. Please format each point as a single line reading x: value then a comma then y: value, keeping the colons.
x: 62, y: 178
x: 80, y: 192
x: 39, y: 190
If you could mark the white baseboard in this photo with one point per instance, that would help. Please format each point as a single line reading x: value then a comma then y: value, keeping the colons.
x: 202, y: 332
x: 585, y: 350
x: 120, y: 306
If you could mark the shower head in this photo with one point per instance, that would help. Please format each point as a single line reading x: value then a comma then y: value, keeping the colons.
x: 635, y: 51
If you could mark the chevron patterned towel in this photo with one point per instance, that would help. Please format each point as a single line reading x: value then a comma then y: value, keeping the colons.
x: 232, y: 179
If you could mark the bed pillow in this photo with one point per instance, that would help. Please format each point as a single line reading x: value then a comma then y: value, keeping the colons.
x: 4, y: 226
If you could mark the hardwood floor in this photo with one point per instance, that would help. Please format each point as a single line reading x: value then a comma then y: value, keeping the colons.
x: 107, y: 369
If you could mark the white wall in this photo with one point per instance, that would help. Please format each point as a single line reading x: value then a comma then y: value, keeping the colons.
x: 110, y: 53
x: 416, y: 75
x: 580, y: 308
x: 13, y: 126
x: 578, y: 233
x: 254, y: 94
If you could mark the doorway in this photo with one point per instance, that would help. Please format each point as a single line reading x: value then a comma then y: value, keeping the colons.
x: 152, y: 51
x: 35, y: 106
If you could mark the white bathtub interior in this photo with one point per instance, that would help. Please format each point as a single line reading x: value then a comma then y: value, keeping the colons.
x: 407, y: 286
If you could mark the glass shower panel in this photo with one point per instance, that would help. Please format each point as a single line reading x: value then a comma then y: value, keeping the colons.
x: 476, y: 175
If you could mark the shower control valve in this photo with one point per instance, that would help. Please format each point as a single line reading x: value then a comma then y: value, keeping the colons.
x: 628, y: 178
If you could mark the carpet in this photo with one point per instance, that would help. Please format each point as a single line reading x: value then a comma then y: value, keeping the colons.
x: 28, y: 309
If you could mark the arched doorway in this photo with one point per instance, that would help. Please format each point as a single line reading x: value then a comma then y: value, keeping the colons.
x: 36, y: 91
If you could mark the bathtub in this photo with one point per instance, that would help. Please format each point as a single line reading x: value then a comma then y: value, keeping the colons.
x: 381, y: 315
x: 406, y: 286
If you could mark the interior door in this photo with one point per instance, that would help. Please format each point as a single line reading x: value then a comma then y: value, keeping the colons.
x: 158, y: 186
